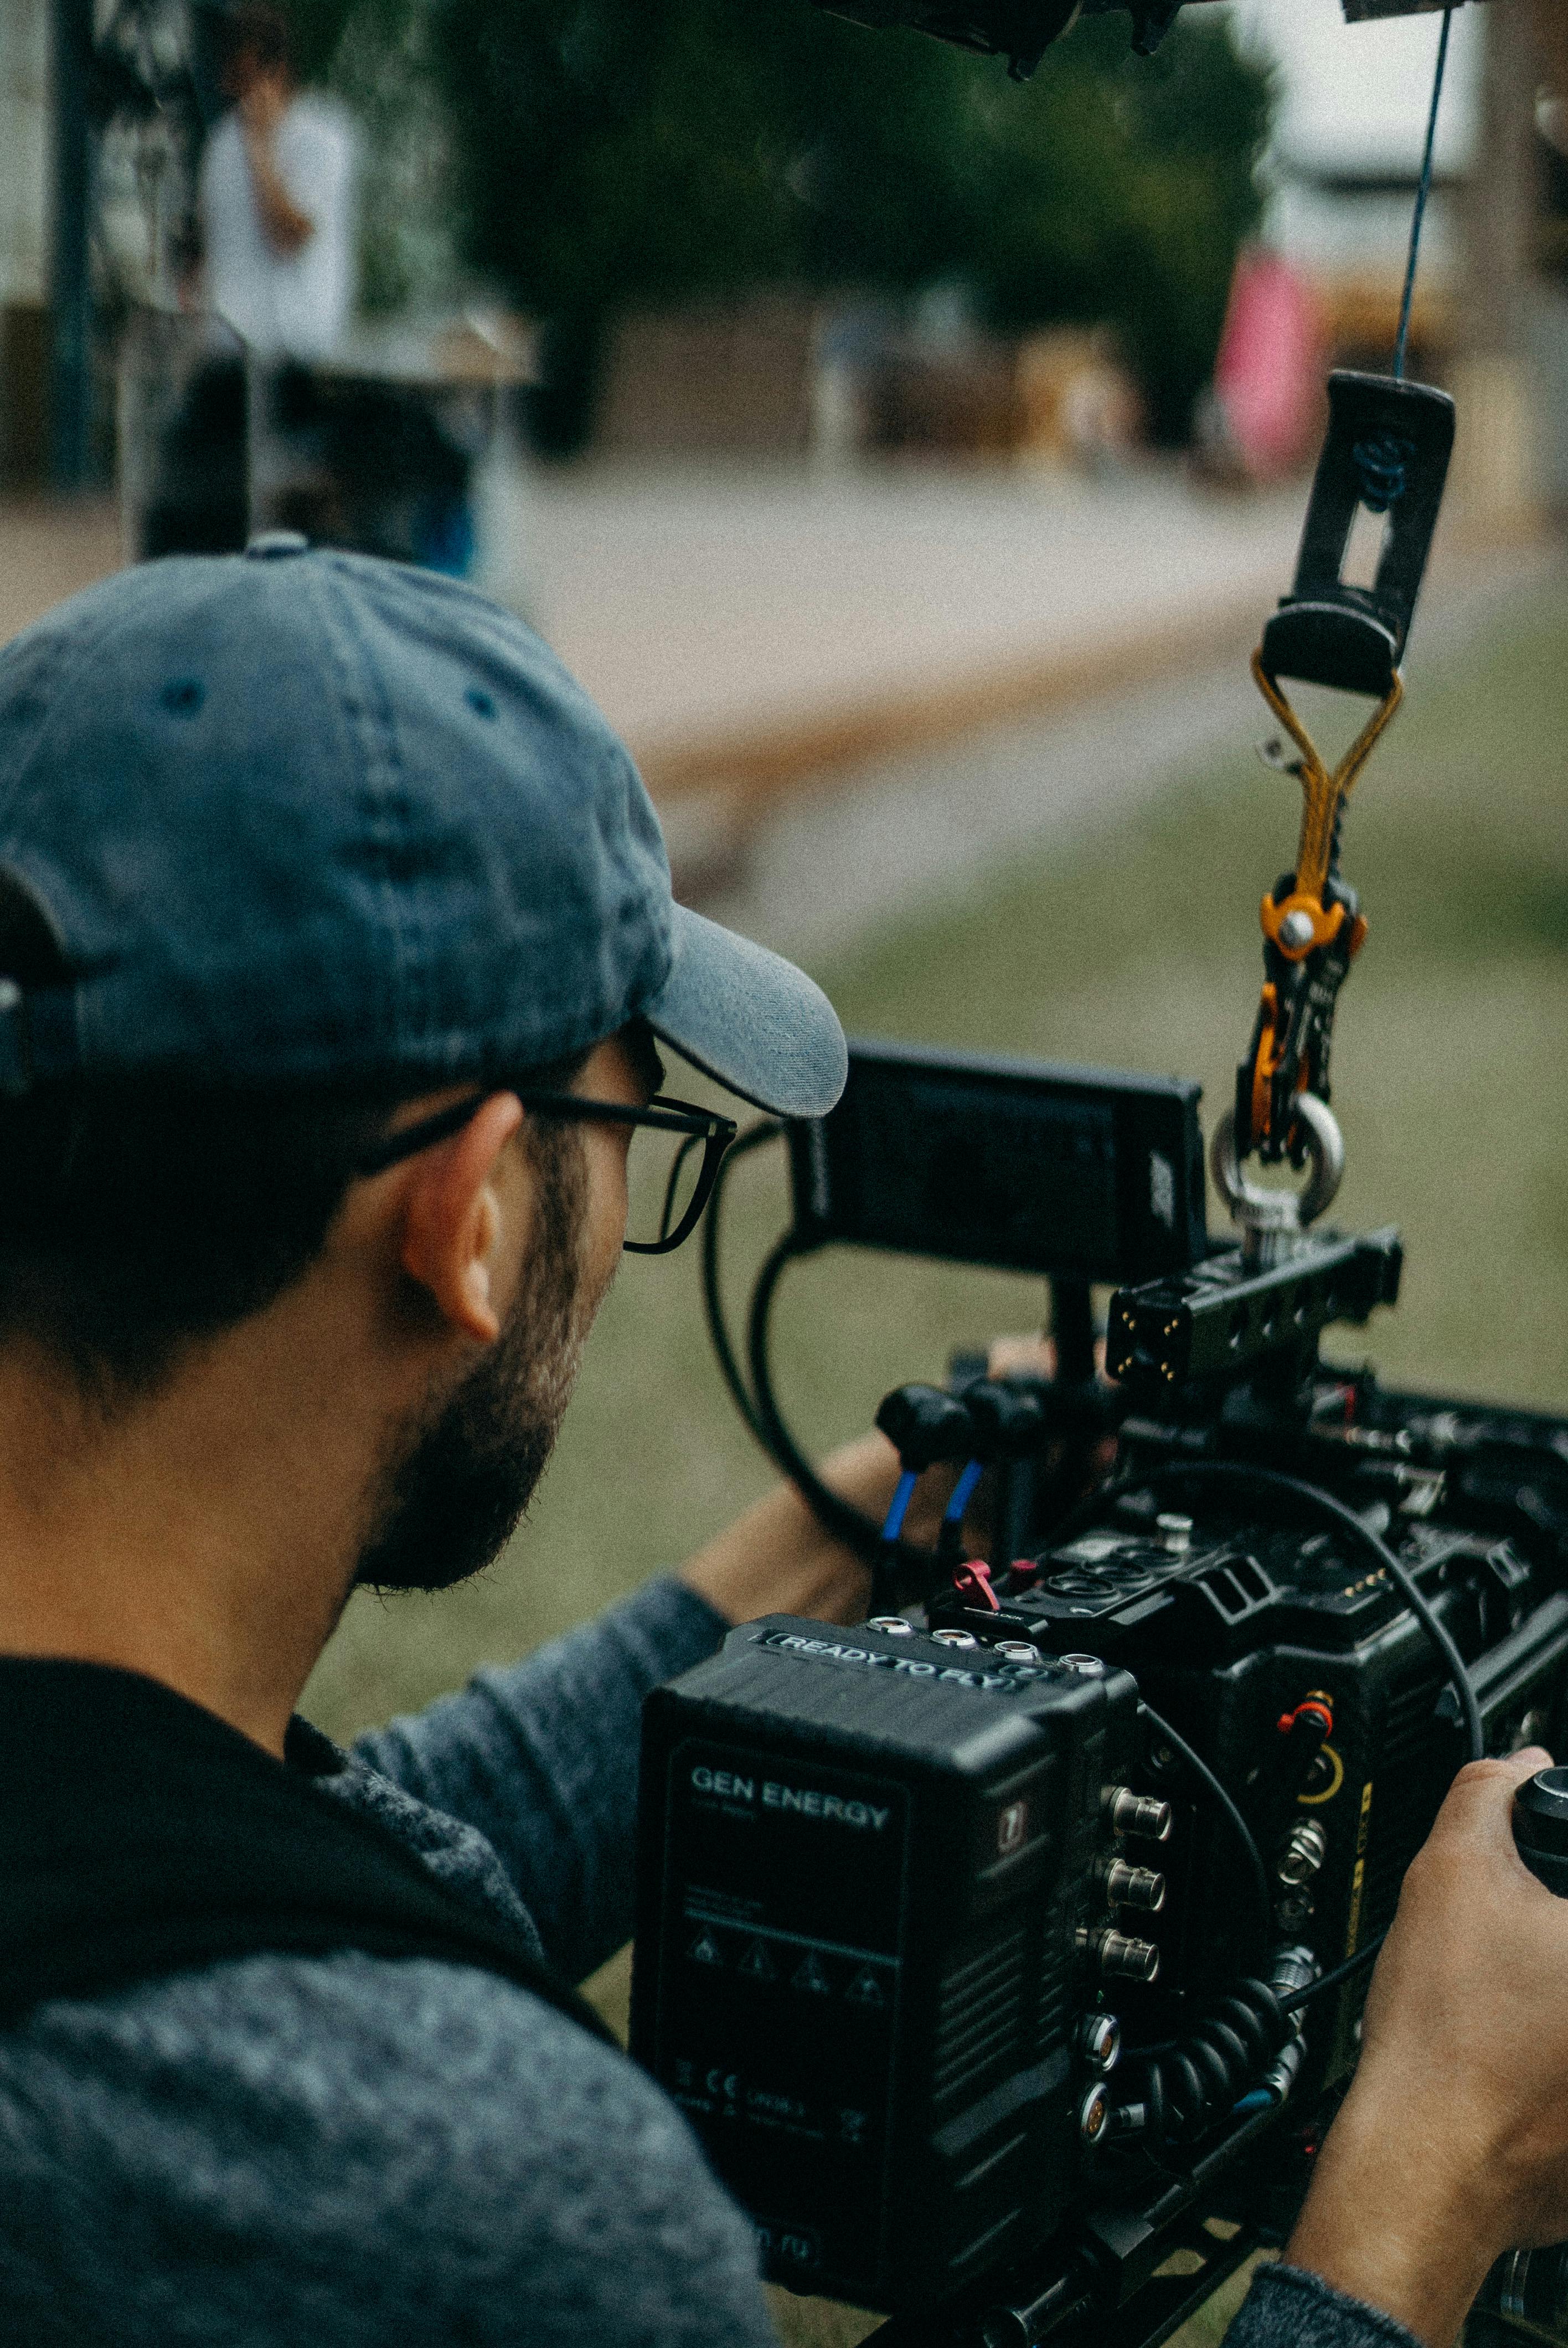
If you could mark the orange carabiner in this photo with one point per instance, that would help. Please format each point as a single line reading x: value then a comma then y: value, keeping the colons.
x: 1299, y: 922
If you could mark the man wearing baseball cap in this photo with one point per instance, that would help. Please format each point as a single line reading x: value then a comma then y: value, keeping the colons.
x: 336, y: 953
x: 339, y: 955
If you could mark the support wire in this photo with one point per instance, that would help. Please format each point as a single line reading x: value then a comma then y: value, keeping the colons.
x: 1424, y: 190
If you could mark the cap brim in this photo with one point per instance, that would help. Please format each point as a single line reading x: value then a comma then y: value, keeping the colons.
x: 749, y: 1018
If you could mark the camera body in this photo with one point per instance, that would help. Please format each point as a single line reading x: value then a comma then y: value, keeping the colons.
x: 882, y: 1957
x: 979, y: 1942
x: 1287, y: 1660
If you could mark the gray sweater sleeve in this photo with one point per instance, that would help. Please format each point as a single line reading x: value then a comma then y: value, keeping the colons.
x: 1288, y: 2308
x: 541, y: 1757
x: 353, y: 2153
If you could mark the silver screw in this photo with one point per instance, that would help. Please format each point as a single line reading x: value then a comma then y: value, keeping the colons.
x: 1295, y: 930
x: 1017, y: 1651
x: 892, y: 1622
x: 956, y: 1638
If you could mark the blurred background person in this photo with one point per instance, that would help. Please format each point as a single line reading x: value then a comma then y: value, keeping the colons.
x: 275, y: 282
x: 276, y: 200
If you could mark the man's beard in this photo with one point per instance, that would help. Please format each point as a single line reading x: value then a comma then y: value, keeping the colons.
x: 464, y: 1473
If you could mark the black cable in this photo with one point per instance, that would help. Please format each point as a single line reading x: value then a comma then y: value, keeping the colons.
x: 1271, y: 1479
x: 1335, y: 1980
x: 839, y: 1517
x: 1423, y: 191
x: 1246, y: 1841
x: 729, y: 1368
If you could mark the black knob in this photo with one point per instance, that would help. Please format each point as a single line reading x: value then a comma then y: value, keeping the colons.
x: 925, y: 1425
x: 1540, y: 1827
x: 1008, y: 1421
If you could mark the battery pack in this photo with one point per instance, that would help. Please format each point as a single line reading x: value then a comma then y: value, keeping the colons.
x: 871, y: 1914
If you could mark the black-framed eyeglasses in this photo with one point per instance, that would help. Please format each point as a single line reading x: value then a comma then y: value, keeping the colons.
x: 670, y: 1176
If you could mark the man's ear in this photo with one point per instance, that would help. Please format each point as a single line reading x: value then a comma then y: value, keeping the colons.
x: 454, y: 1225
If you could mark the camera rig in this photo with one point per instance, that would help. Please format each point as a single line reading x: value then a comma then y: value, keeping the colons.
x: 1007, y: 1950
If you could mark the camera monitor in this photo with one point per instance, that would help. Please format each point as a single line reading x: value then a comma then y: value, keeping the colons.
x: 1078, y: 1173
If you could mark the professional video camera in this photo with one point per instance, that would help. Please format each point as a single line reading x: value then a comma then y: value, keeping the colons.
x: 1008, y: 1951
x: 1149, y: 1792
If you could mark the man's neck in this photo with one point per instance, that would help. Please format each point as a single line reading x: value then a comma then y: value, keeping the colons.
x: 205, y: 1536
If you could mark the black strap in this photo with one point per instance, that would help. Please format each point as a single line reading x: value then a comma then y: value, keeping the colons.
x: 141, y: 1836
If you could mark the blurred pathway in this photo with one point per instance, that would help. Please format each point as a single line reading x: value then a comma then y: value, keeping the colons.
x: 743, y: 627
x: 895, y: 835
x: 900, y: 633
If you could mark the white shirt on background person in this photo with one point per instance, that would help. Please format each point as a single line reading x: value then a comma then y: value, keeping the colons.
x: 284, y: 305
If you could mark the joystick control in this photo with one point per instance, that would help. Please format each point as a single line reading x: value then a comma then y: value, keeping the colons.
x: 1540, y: 1827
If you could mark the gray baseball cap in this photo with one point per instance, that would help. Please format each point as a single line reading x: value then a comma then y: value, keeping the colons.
x: 296, y: 816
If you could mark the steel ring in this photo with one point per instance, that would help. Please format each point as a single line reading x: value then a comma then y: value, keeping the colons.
x: 1282, y: 1210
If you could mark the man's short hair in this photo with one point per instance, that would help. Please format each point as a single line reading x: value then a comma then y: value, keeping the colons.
x: 255, y: 28
x: 138, y: 1218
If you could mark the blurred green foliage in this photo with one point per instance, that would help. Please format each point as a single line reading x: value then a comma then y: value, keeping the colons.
x: 614, y: 154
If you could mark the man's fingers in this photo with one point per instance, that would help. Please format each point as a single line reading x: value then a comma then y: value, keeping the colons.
x: 1480, y: 1802
x: 1034, y: 1356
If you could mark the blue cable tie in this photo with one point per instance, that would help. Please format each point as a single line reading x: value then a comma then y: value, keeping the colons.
x: 963, y: 1491
x: 1382, y: 463
x: 900, y: 1507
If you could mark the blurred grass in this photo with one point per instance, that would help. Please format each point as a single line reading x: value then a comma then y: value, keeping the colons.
x: 1140, y: 951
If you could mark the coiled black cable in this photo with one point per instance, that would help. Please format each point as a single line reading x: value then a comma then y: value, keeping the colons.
x: 1187, y: 2086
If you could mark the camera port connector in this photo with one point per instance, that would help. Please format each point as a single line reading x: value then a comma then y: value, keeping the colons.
x: 1094, y: 2113
x: 1132, y: 1886
x: 1100, y: 2037
x: 1305, y: 1847
x: 1136, y: 1814
x: 1119, y: 1956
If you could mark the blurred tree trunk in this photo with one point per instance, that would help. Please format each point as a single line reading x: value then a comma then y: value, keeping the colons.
x: 1503, y: 199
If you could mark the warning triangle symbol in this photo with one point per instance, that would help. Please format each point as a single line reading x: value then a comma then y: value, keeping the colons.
x: 757, y: 1964
x: 704, y: 1951
x: 866, y: 1990
x: 810, y: 1976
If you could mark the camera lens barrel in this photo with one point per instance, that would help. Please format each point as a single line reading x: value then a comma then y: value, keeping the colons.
x: 1540, y: 1827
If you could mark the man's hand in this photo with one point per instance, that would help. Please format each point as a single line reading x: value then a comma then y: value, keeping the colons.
x: 261, y: 109
x: 778, y: 1560
x: 1453, y: 2143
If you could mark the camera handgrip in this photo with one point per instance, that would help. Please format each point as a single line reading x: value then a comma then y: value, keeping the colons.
x: 1540, y: 1827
